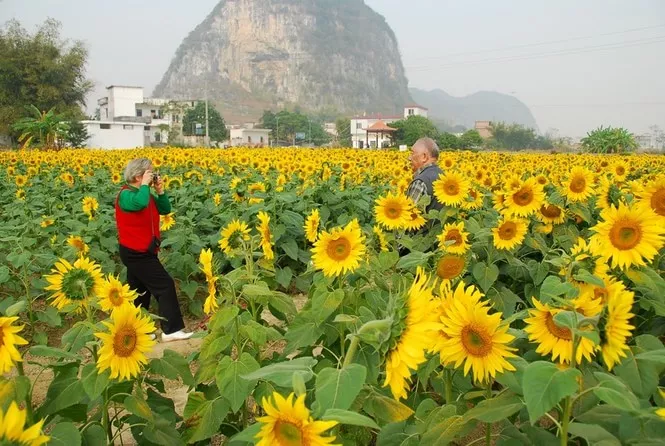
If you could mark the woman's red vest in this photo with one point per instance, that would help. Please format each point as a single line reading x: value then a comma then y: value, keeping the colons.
x: 134, y: 230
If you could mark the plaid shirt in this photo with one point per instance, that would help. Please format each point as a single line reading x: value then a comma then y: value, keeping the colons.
x: 417, y: 189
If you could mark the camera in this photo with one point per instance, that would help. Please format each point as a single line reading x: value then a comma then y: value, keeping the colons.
x: 155, y: 178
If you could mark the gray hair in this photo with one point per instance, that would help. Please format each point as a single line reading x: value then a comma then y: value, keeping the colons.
x: 430, y: 145
x: 136, y: 168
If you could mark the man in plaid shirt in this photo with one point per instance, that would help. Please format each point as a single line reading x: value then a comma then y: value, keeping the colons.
x: 423, y: 158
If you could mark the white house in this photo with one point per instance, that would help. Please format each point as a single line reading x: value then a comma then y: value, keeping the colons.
x: 128, y: 119
x: 366, y: 131
x: 249, y: 136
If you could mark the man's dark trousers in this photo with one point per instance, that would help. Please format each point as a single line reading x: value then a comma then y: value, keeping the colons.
x: 147, y: 276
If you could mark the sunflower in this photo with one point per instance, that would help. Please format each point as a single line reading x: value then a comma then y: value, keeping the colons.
x: 217, y: 199
x: 21, y: 180
x: 525, y: 199
x: 205, y: 259
x: 579, y: 184
x: 46, y: 221
x: 90, y: 206
x: 551, y: 338
x: 113, y: 293
x: 451, y: 188
x: 620, y: 171
x: 393, y: 211
x: 661, y: 412
x: 339, y: 250
x: 551, y: 214
x: 13, y: 431
x: 381, y: 238
x: 20, y: 194
x: 233, y: 235
x: 74, y: 284
x: 617, y: 328
x: 414, y: 220
x: 451, y: 266
x: 9, y: 355
x: 166, y: 222
x: 509, y: 233
x: 473, y: 201
x: 653, y: 196
x: 78, y: 244
x: 628, y: 235
x: 474, y: 337
x: 312, y: 226
x: 116, y: 178
x: 415, y: 338
x: 454, y: 239
x: 125, y: 344
x: 288, y: 423
x: 266, y: 236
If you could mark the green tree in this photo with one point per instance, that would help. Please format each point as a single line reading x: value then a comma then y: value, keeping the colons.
x: 197, y: 115
x: 40, y: 70
x: 343, y: 127
x: 471, y: 139
x: 517, y: 137
x: 412, y: 129
x: 448, y: 141
x: 77, y: 134
x: 286, y: 126
x: 43, y: 128
x: 609, y: 140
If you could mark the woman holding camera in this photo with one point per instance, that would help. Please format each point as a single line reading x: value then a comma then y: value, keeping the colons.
x: 137, y: 211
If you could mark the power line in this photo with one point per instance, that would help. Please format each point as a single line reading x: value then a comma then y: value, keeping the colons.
x: 571, y: 51
x: 550, y: 42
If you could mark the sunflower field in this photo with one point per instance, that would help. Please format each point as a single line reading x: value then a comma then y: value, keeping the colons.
x: 331, y: 309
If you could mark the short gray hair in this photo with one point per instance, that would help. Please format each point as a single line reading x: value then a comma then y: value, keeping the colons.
x: 430, y: 145
x: 135, y: 168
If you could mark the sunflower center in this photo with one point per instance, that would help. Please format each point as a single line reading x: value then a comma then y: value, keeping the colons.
x: 454, y: 234
x: 625, y: 235
x: 393, y: 211
x: 550, y: 211
x: 288, y: 434
x: 559, y: 332
x: 450, y: 267
x: 523, y: 197
x: 115, y: 297
x: 339, y: 249
x: 620, y: 170
x: 124, y: 341
x: 578, y: 184
x: 476, y: 341
x: 508, y: 230
x: 658, y: 201
x: 451, y: 188
x: 77, y: 284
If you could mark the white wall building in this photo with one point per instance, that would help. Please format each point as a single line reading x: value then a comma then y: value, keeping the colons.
x: 359, y: 125
x: 250, y: 137
x: 125, y: 111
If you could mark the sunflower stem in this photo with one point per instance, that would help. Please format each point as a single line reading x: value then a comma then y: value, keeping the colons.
x: 348, y: 359
x: 488, y: 426
x: 567, y: 408
x: 448, y: 382
x: 28, y: 396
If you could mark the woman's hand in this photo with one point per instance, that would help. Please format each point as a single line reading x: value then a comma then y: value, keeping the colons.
x: 147, y: 178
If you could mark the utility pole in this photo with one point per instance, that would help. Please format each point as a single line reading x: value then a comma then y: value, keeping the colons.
x: 207, y: 138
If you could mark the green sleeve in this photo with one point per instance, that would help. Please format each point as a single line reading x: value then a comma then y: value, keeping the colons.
x: 134, y: 200
x: 163, y: 204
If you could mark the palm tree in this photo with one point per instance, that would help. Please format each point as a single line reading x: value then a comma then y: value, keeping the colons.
x: 42, y: 127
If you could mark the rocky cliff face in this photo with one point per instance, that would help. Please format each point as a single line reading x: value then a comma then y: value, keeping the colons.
x: 326, y: 55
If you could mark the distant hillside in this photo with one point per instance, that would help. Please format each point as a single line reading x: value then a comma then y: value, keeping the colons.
x: 320, y: 55
x: 480, y: 106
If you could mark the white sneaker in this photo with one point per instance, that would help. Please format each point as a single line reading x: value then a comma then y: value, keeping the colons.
x: 153, y: 336
x: 177, y: 336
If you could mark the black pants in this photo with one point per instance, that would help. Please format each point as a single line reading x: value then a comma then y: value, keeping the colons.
x: 147, y: 276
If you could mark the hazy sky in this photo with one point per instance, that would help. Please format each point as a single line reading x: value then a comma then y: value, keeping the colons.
x: 576, y: 63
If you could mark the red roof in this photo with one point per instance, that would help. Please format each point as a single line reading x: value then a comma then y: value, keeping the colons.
x: 380, y: 126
